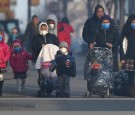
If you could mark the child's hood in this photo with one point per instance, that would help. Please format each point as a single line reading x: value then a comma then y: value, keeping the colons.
x: 17, y: 41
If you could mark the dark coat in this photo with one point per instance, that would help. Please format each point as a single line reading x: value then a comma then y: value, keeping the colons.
x: 38, y: 40
x: 130, y: 35
x: 64, y: 65
x: 90, y: 26
x: 101, y: 37
x: 30, y: 31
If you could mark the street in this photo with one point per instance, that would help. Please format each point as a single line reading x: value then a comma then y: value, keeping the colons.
x: 78, y: 84
x: 11, y: 101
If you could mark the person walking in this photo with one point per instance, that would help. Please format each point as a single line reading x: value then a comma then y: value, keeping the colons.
x: 31, y: 30
x: 65, y: 66
x: 19, y: 63
x: 127, y: 54
x: 4, y: 57
x: 64, y: 31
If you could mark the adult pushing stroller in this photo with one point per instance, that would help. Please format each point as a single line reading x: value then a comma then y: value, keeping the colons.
x: 99, y: 74
x: 48, y: 81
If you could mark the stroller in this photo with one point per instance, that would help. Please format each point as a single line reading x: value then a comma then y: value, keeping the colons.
x: 47, y: 81
x: 100, y: 72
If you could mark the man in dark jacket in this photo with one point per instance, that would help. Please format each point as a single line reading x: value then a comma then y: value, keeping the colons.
x: 93, y: 23
x: 31, y: 30
x: 65, y: 68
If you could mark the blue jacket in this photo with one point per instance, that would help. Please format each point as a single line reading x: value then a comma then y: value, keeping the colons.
x: 64, y: 65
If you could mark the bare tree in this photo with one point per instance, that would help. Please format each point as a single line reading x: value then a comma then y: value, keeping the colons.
x: 65, y: 6
x: 89, y: 8
x: 122, y: 13
x: 115, y: 10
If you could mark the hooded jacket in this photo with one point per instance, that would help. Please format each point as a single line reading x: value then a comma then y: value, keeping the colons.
x: 54, y: 18
x: 102, y: 36
x: 4, y: 53
x: 39, y: 40
x: 19, y: 61
x: 91, y: 25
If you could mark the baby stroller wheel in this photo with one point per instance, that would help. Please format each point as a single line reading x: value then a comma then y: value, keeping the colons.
x: 102, y: 95
x: 90, y: 95
x: 108, y: 95
x: 85, y: 95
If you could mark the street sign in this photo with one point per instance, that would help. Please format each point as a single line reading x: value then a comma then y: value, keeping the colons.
x: 4, y: 5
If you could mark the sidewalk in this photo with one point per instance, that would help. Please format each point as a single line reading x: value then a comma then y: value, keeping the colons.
x: 41, y: 104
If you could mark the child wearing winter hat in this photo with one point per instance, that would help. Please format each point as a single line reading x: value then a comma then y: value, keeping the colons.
x: 19, y: 63
x: 65, y: 66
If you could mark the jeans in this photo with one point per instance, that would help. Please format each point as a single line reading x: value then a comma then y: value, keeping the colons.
x: 64, y: 89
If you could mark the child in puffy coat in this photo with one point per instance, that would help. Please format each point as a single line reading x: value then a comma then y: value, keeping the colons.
x: 4, y: 57
x: 65, y: 66
x: 19, y: 63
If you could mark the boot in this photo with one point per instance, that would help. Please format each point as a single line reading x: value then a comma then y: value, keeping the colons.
x: 18, y: 83
x: 23, y: 85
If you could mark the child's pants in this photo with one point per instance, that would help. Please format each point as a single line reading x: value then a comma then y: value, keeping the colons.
x: 64, y: 82
x: 20, y: 84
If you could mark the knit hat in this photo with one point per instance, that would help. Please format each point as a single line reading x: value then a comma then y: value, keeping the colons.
x: 105, y: 17
x: 63, y: 44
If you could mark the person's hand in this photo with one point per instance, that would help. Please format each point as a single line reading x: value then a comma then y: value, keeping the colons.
x: 122, y: 61
x: 91, y: 45
x: 109, y: 45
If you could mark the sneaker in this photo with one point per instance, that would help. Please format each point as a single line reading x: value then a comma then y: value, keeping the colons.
x: 23, y: 88
x: 19, y: 90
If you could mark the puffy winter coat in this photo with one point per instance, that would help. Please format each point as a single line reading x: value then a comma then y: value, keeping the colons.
x: 64, y: 31
x: 19, y: 61
x: 4, y: 53
x: 64, y: 65
x: 101, y: 37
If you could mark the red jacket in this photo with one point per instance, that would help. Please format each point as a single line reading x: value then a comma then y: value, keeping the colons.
x: 4, y: 53
x: 19, y: 61
x: 64, y: 31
